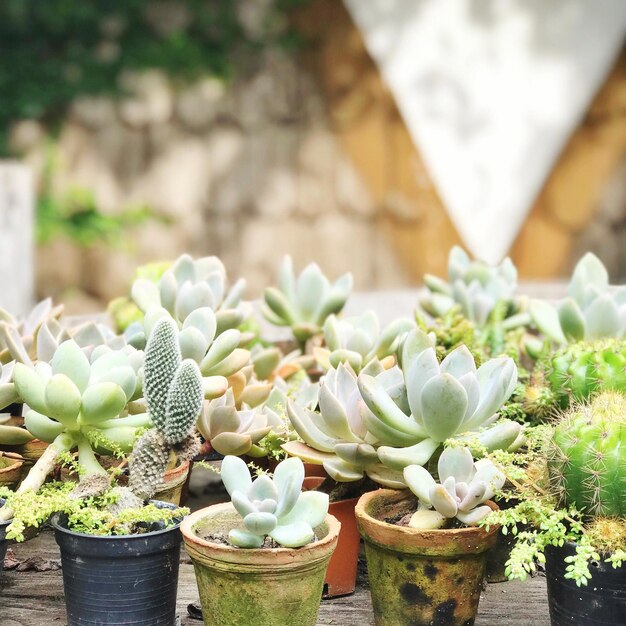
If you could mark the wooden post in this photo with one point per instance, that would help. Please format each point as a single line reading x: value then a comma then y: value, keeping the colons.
x: 16, y: 237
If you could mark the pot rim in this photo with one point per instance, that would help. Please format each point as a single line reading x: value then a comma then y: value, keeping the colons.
x: 56, y: 523
x: 190, y: 537
x: 16, y: 464
x: 427, y: 539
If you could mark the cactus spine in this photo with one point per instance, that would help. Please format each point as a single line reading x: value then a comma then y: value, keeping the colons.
x: 587, y: 461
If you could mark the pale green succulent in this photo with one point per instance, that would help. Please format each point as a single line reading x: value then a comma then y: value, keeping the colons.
x: 11, y: 435
x: 473, y: 285
x: 359, y: 340
x: 233, y: 431
x: 591, y: 311
x: 380, y: 422
x: 75, y: 402
x: 462, y: 488
x: 174, y: 394
x: 190, y: 284
x: 273, y: 507
x: 8, y: 394
x: 24, y: 329
x: 270, y: 362
x: 304, y: 303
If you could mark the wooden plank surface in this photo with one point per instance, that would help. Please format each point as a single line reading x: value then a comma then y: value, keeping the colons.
x: 36, y: 598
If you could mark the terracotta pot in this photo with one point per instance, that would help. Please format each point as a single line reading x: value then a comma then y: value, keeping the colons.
x: 10, y: 472
x: 32, y: 450
x: 341, y: 575
x: 420, y: 577
x: 264, y: 587
x: 174, y: 480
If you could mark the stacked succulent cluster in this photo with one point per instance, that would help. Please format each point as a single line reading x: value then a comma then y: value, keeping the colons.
x: 587, y: 461
x: 273, y: 507
x: 174, y: 394
x: 464, y: 485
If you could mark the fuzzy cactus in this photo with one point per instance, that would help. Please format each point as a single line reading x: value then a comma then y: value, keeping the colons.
x: 174, y: 394
x: 591, y: 311
x: 359, y: 340
x: 587, y: 457
x: 273, y: 507
x: 463, y: 487
x: 473, y: 285
x: 304, y: 303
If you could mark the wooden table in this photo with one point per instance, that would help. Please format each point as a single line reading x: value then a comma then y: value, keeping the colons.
x: 36, y: 598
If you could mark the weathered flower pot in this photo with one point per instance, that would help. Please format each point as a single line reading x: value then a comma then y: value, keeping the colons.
x: 341, y: 574
x: 126, y: 579
x: 10, y: 472
x: 173, y: 484
x: 264, y: 587
x: 32, y: 450
x: 602, y: 602
x: 418, y: 577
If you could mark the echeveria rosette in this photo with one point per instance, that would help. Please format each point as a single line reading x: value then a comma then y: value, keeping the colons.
x: 192, y: 284
x: 304, y: 303
x: 274, y: 507
x: 463, y: 487
x: 233, y: 431
x: 473, y: 285
x: 591, y: 311
x: 75, y: 402
x: 337, y: 435
x: 359, y: 340
x: 451, y: 399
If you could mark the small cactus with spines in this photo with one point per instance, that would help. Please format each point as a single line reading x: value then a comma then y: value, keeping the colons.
x: 174, y: 395
x: 587, y: 457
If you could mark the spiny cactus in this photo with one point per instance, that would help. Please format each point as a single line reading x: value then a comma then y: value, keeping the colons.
x: 274, y: 507
x: 591, y: 311
x: 359, y: 340
x: 463, y: 486
x: 587, y: 457
x: 305, y: 303
x: 174, y: 394
x: 473, y: 285
x: 192, y: 284
x: 232, y: 431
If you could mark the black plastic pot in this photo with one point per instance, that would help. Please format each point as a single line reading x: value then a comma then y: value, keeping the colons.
x: 126, y: 579
x: 602, y: 602
x: 3, y: 541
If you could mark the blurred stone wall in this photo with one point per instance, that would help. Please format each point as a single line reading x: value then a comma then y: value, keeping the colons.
x: 248, y: 171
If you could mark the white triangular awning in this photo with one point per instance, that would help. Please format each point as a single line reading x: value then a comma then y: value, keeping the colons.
x: 490, y: 93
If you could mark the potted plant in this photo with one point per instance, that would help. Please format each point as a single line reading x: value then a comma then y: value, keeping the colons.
x: 261, y: 559
x: 426, y: 557
x: 576, y: 516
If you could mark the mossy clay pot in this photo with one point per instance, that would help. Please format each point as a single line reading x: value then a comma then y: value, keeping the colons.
x: 420, y: 577
x: 264, y: 587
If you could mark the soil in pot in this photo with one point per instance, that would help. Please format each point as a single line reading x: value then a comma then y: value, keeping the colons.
x: 417, y: 577
x: 602, y: 602
x: 341, y: 574
x: 271, y: 586
x: 126, y: 579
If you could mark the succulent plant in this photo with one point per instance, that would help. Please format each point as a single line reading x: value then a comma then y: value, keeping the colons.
x: 270, y: 362
x: 359, y: 340
x: 401, y: 417
x: 304, y: 303
x: 189, y: 285
x: 591, y: 311
x: 75, y: 403
x: 8, y: 394
x: 12, y: 435
x: 473, y: 285
x: 587, y: 457
x: 273, y: 507
x: 26, y: 328
x: 232, y: 431
x: 462, y: 488
x: 174, y: 394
